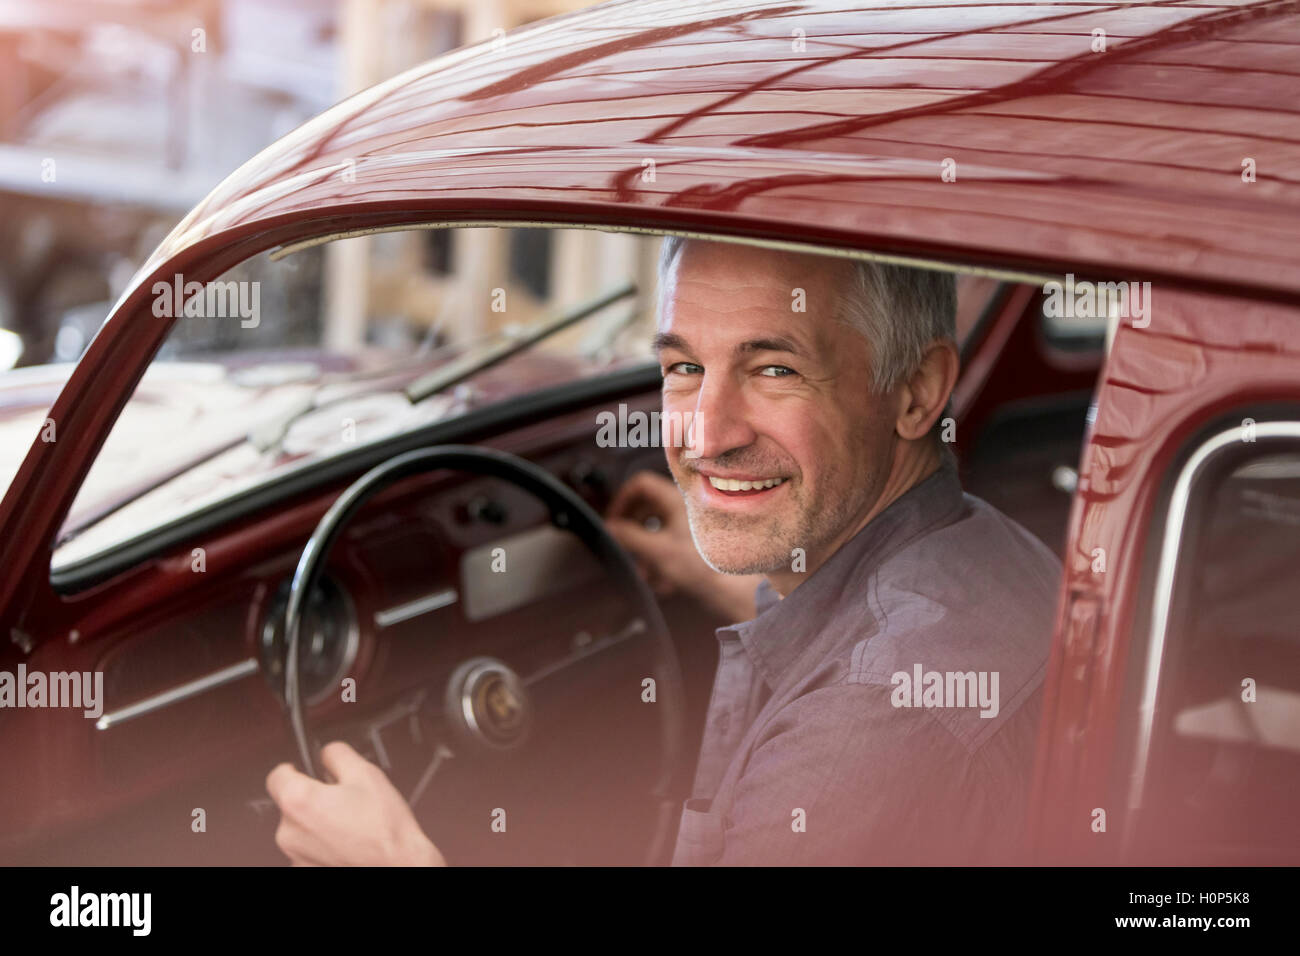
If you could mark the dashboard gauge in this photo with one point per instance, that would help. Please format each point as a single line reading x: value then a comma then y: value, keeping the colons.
x: 327, y: 640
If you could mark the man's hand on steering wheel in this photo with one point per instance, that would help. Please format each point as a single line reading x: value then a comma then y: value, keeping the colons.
x: 361, y: 820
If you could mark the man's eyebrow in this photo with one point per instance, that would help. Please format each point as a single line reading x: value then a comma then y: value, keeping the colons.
x: 670, y: 340
x: 779, y: 343
x: 776, y: 344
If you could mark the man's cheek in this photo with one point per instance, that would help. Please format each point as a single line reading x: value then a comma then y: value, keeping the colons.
x: 679, y: 475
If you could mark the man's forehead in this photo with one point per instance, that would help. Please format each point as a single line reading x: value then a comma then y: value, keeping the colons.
x: 710, y: 301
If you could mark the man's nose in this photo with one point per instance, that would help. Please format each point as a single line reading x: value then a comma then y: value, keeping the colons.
x: 720, y: 421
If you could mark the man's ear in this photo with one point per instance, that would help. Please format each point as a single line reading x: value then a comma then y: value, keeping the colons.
x: 922, y: 398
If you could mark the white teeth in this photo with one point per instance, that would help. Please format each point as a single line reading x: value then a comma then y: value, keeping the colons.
x: 734, y: 484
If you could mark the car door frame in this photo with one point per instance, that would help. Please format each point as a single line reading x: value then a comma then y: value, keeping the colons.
x: 1202, y: 363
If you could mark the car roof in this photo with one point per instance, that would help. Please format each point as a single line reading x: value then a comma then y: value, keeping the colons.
x: 1106, y: 139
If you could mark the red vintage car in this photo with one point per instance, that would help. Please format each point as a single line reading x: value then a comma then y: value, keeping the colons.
x: 1053, y: 155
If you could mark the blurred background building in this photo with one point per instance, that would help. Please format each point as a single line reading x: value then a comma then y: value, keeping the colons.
x: 117, y: 116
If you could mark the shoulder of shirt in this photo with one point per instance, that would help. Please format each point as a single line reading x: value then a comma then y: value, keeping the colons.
x: 975, y: 594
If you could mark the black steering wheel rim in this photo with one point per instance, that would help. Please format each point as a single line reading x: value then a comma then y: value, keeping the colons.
x: 568, y: 511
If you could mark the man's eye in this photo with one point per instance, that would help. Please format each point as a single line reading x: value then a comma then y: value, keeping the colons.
x: 777, y: 371
x: 683, y: 368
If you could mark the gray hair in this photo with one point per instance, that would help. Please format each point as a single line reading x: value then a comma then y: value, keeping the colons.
x: 900, y: 310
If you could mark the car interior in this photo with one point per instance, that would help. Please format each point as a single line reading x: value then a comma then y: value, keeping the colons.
x: 405, y: 604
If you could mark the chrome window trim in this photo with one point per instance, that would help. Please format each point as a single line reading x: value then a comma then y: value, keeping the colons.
x: 839, y: 251
x: 1176, y: 516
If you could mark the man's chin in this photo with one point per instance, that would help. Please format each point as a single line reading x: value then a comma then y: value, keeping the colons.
x: 737, y: 550
x: 734, y: 559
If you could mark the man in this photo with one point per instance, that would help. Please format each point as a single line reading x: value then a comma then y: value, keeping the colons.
x: 880, y: 702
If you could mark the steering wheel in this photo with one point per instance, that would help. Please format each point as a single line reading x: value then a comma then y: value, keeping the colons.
x: 485, y: 701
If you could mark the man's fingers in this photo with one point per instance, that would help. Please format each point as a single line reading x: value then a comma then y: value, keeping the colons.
x: 296, y: 843
x: 360, y: 820
x: 644, y: 492
x: 289, y: 787
x: 344, y: 763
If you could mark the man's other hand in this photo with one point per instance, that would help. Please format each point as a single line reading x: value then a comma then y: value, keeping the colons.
x: 362, y: 820
x: 666, y: 555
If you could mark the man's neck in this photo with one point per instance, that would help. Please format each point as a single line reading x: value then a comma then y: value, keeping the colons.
x: 907, y: 471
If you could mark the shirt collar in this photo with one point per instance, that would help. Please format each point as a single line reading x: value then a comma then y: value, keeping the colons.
x: 777, y: 636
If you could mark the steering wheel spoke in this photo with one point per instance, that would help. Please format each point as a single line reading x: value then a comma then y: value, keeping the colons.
x: 582, y: 651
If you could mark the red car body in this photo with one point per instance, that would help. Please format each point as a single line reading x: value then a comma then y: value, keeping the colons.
x: 1170, y: 156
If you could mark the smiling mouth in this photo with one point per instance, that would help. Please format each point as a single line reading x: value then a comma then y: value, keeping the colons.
x: 744, y: 487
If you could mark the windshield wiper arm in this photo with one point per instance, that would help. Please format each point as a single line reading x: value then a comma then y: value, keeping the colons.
x: 270, y: 436
x: 460, y: 369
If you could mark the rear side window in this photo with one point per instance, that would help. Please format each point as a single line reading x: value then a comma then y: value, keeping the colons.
x: 1223, y: 769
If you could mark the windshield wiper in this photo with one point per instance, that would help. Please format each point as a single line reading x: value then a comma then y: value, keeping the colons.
x: 270, y: 436
x: 456, y: 371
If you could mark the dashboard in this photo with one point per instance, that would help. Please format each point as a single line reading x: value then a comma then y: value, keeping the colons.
x: 193, y: 686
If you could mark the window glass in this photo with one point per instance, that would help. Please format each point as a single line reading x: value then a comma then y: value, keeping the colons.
x: 1224, y: 765
x: 292, y: 357
x: 287, y: 359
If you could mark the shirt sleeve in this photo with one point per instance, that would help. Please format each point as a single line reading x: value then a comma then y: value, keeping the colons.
x: 843, y: 777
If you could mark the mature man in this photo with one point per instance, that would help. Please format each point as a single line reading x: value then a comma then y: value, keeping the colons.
x: 880, y: 702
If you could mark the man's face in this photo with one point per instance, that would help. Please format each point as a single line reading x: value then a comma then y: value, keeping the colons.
x: 777, y: 398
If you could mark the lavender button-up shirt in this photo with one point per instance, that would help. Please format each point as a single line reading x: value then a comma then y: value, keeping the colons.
x: 886, y: 710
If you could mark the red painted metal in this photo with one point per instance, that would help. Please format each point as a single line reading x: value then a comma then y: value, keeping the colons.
x: 1200, y: 358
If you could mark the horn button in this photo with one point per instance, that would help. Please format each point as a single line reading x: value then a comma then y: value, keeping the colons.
x: 487, y: 702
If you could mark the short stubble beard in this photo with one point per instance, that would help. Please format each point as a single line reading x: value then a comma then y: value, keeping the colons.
x: 763, y: 550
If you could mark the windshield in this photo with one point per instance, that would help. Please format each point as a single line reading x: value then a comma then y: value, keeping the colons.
x: 290, y: 358
x: 298, y: 355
